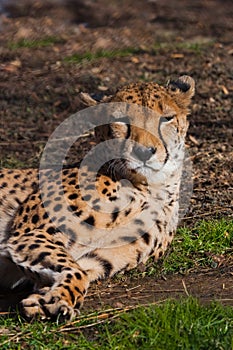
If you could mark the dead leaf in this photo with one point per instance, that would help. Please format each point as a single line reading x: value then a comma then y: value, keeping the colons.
x: 177, y: 55
x: 194, y: 140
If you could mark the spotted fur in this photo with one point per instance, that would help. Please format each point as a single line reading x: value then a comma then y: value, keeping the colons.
x: 83, y: 230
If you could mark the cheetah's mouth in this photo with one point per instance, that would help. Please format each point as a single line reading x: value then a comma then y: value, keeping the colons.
x: 146, y: 169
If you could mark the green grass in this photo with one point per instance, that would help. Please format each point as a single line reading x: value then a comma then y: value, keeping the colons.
x: 200, y: 246
x: 182, y: 324
x: 34, y: 44
x: 194, y: 47
x: 166, y: 325
x: 12, y: 163
x: 92, y: 56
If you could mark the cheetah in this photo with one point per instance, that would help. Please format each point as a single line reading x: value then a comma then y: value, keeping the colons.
x: 66, y: 229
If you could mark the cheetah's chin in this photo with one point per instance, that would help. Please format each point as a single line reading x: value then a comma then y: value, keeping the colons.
x: 146, y: 171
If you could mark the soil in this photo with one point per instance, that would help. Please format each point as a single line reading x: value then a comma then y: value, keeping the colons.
x: 39, y: 88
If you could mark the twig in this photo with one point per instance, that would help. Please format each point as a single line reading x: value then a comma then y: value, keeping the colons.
x: 185, y: 288
x: 103, y: 317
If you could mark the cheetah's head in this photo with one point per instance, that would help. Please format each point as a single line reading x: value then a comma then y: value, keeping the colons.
x: 149, y: 126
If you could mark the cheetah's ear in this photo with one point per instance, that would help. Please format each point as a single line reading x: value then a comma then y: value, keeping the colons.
x: 182, y: 89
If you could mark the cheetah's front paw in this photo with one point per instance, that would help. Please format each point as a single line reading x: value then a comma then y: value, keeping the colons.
x: 48, y: 307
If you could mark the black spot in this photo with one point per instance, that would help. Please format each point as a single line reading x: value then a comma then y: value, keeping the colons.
x: 51, y: 193
x: 34, y: 246
x: 35, y: 219
x: 45, y: 216
x: 115, y: 214
x: 49, y: 246
x: 155, y: 243
x: 72, y: 175
x: 130, y: 97
x: 90, y: 221
x: 96, y: 207
x: 138, y: 222
x: 129, y: 239
x: 40, y: 258
x: 16, y: 233
x: 57, y: 207
x: 86, y: 197
x: 160, y: 105
x: 72, y: 182
x: 20, y: 247
x: 46, y: 203
x: 90, y: 187
x: 127, y: 212
x: 145, y: 236
x: 40, y: 235
x: 63, y: 218
x: 70, y: 293
x: 104, y: 191
x: 27, y: 230
x: 78, y: 213
x: 107, y: 183
x: 73, y: 207
x: 159, y: 225
x: 160, y: 254
x: 39, y: 241
x: 51, y: 230
x: 73, y: 196
x: 78, y: 275
x: 60, y: 244
x: 20, y: 210
x: 25, y: 218
x: 95, y: 201
x: 113, y: 198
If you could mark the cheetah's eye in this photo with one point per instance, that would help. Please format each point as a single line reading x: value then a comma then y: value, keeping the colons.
x: 167, y: 118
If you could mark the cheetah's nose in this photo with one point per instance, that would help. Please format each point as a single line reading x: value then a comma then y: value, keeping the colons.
x: 144, y: 153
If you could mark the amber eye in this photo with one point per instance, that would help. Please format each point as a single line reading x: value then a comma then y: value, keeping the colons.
x: 167, y: 118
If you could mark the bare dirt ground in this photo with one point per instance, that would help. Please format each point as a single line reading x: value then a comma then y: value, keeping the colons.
x: 39, y: 89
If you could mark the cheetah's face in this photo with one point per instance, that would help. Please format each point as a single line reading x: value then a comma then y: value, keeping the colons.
x: 151, y: 125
